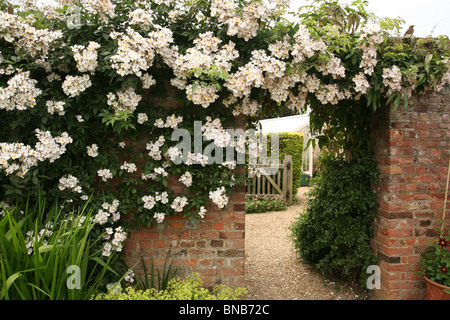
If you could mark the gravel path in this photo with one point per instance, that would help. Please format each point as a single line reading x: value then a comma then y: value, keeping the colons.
x: 273, y: 271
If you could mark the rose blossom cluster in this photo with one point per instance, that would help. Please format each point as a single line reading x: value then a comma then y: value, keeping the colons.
x: 69, y: 182
x: 151, y: 201
x: 202, y: 212
x: 179, y: 203
x: 361, y: 83
x: 392, y: 79
x: 108, y: 210
x: 26, y: 38
x: 171, y: 122
x: 104, y: 8
x: 334, y: 67
x: 74, y: 85
x: 219, y: 197
x: 213, y: 130
x: 86, y: 56
x: 244, y: 23
x: 105, y: 174
x: 31, y: 239
x: 154, y: 148
x: 129, y: 167
x: 18, y: 158
x: 186, y: 179
x: 304, y: 46
x: 331, y: 93
x: 204, y: 55
x: 92, y: 150
x: 269, y: 72
x: 370, y: 33
x: 118, y: 237
x: 202, y: 95
x: 20, y: 94
x: 124, y: 99
x: 135, y: 52
x: 142, y: 118
x: 142, y: 18
x: 55, y: 106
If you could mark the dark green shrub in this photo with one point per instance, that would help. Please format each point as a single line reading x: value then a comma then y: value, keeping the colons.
x: 334, y: 231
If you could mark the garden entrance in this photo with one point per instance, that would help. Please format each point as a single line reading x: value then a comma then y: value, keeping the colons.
x: 272, y: 180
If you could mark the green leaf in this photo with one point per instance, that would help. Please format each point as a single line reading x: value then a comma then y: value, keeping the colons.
x: 406, y: 100
x: 8, y: 284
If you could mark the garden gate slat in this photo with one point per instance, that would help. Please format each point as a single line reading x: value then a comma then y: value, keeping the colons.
x: 279, y: 183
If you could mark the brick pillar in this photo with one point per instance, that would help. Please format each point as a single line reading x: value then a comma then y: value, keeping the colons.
x: 412, y: 147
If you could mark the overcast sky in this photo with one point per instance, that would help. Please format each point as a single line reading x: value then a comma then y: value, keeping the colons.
x: 428, y: 16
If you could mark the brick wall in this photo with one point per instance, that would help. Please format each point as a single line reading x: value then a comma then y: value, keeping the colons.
x: 412, y: 147
x: 214, y: 247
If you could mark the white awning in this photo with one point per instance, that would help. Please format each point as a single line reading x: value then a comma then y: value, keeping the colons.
x: 284, y: 124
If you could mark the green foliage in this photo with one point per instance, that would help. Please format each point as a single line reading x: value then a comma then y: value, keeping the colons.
x: 156, y: 279
x: 334, y: 230
x: 37, y: 247
x: 347, y: 129
x: 290, y: 143
x: 189, y: 288
x: 265, y: 204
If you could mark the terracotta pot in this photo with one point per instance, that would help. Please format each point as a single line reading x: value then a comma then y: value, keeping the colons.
x: 435, y: 291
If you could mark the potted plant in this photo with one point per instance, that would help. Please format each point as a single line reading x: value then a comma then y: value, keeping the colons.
x: 435, y: 268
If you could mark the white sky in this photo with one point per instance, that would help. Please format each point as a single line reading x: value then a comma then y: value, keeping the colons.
x: 426, y: 15
x: 430, y: 17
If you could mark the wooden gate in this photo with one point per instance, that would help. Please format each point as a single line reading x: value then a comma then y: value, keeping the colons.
x: 273, y: 180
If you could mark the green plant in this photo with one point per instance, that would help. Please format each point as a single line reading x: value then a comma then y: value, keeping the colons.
x: 435, y: 261
x: 334, y: 231
x: 49, y: 254
x: 158, y: 280
x: 189, y: 288
x: 265, y: 204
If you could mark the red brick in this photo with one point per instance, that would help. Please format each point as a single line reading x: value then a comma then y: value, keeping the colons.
x: 159, y: 243
x: 232, y: 235
x: 425, y: 125
x: 145, y: 234
x: 421, y: 196
x: 400, y: 233
x: 232, y: 271
x: 233, y: 216
x: 436, y: 153
x: 400, y: 143
x: 191, y: 262
x: 423, y: 178
x: 436, y: 205
x: 218, y: 225
x: 206, y: 271
x: 175, y: 234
